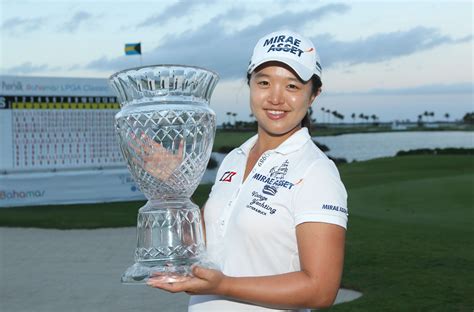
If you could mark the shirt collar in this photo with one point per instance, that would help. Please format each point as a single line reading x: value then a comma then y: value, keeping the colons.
x: 293, y: 143
x: 247, y: 146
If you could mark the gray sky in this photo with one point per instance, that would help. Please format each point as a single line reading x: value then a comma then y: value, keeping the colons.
x: 395, y: 59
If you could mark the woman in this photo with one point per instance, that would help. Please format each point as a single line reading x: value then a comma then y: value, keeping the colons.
x: 276, y: 216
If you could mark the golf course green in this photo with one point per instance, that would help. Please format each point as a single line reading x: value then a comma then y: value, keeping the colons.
x: 410, y: 239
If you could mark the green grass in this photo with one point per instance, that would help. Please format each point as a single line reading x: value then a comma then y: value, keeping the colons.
x: 410, y: 244
x: 410, y: 240
x: 230, y: 138
x: 82, y: 216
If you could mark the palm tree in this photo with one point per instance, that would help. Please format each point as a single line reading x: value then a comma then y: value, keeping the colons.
x: 446, y: 116
x: 353, y: 116
x: 426, y: 114
x: 228, y: 115
x: 233, y: 115
x: 336, y: 115
x: 328, y: 111
x: 374, y: 118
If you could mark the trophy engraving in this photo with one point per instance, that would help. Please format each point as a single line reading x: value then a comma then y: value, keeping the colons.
x: 166, y: 132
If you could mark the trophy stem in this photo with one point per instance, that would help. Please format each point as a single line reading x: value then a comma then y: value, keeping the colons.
x: 169, y: 241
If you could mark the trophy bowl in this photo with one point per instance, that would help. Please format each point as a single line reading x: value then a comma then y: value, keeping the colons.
x: 166, y: 131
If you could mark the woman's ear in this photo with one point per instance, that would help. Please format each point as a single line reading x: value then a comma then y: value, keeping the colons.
x: 319, y: 91
x: 313, y: 96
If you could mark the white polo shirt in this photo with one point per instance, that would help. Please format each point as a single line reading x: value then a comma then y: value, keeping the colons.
x: 250, y: 225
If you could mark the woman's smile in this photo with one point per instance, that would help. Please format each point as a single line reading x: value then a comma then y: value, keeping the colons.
x: 276, y: 114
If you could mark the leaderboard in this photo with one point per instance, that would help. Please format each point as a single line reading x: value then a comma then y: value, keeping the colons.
x: 57, y: 124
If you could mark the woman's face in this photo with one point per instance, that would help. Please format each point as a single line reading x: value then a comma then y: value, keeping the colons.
x: 278, y: 99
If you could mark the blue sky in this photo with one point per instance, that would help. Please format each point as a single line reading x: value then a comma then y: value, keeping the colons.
x: 395, y: 59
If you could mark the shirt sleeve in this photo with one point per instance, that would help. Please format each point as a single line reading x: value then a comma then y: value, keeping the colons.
x: 321, y: 196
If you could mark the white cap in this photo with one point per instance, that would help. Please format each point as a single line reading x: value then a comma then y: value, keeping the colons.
x: 290, y: 48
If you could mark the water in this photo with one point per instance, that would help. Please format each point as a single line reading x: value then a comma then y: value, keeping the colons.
x: 365, y: 146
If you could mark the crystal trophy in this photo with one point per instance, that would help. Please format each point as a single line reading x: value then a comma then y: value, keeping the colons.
x: 166, y: 131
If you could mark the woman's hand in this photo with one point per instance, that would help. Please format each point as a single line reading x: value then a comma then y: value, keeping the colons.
x: 204, y: 281
x: 154, y: 158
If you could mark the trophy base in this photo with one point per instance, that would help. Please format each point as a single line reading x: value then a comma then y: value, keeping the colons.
x: 169, y: 242
x: 138, y: 273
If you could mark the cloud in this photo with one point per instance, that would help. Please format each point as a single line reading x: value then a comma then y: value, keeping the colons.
x: 29, y: 68
x: 174, y: 11
x: 382, y: 47
x: 228, y: 53
x: 76, y: 20
x: 212, y: 47
x: 22, y: 25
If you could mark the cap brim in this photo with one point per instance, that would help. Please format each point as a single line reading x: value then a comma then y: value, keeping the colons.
x: 302, y: 72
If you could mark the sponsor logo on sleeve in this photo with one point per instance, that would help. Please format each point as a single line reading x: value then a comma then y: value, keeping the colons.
x: 335, y: 208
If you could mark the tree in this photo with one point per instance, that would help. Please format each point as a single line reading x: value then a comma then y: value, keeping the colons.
x: 228, y: 116
x: 353, y: 116
x: 420, y: 120
x: 446, y: 116
x: 468, y: 118
x: 328, y: 111
x: 334, y: 113
x: 426, y: 114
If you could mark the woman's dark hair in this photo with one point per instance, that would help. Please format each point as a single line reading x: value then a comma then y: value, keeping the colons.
x: 316, y: 84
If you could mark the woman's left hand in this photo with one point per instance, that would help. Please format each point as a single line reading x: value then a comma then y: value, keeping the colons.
x: 204, y: 281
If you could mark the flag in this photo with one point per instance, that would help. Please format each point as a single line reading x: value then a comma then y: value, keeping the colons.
x: 133, y: 48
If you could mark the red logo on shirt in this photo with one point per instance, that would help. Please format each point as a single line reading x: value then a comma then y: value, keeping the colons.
x: 227, y: 176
